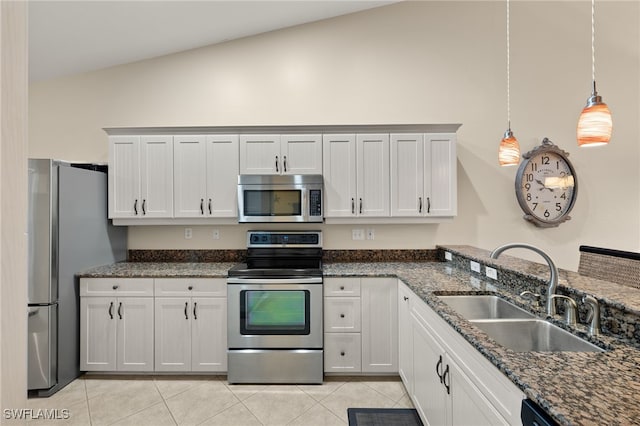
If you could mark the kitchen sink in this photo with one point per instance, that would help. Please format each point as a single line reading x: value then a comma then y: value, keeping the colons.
x: 473, y: 307
x: 533, y: 335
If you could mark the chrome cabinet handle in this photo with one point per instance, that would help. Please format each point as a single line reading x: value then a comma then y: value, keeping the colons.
x: 445, y: 380
x: 284, y: 162
x: 120, y: 310
x: 428, y: 205
x: 144, y: 208
x: 419, y: 204
x: 202, y: 206
x: 438, y: 365
x: 210, y: 206
x: 135, y: 207
x: 186, y: 305
x: 195, y: 313
x: 353, y: 206
x: 277, y: 170
x: 111, y: 310
x: 360, y: 205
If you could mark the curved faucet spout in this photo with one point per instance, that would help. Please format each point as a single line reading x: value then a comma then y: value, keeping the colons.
x: 553, y: 279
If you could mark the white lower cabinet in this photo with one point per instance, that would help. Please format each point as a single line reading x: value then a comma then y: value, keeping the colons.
x: 360, y: 324
x: 190, y: 329
x: 450, y: 383
x: 116, y: 325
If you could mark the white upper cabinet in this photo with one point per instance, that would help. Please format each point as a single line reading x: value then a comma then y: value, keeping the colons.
x: 356, y: 175
x: 281, y: 154
x: 423, y: 175
x: 205, y: 175
x: 140, y: 176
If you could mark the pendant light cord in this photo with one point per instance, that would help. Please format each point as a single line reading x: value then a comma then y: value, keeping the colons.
x: 508, y: 71
x: 593, y: 44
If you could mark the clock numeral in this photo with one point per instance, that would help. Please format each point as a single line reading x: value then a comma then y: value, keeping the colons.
x: 564, y: 196
x: 534, y: 167
x: 534, y: 206
x: 557, y: 165
x: 528, y: 197
x: 529, y: 177
x: 546, y: 213
x: 558, y: 207
x: 527, y: 186
x: 544, y: 160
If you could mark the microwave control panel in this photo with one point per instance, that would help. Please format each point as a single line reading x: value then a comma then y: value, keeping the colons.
x: 315, y: 202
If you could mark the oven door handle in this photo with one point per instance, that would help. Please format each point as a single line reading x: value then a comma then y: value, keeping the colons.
x: 307, y: 280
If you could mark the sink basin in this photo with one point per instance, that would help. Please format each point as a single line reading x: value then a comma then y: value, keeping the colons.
x: 533, y: 335
x: 473, y: 307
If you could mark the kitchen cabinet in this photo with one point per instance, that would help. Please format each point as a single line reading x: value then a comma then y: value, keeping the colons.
x: 205, y: 175
x: 140, y: 176
x: 405, y: 337
x: 451, y: 384
x: 360, y: 324
x: 190, y: 324
x: 116, y: 324
x: 423, y: 175
x: 281, y: 154
x: 356, y: 175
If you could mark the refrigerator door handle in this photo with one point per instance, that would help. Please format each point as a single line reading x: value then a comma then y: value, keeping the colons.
x: 33, y: 311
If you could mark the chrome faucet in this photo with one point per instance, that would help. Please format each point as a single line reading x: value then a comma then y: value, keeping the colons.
x: 594, y: 314
x: 571, y: 310
x: 552, y: 285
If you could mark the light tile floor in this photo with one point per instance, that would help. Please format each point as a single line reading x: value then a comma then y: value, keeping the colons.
x: 210, y: 400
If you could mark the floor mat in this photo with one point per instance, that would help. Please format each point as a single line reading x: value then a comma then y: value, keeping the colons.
x: 383, y: 417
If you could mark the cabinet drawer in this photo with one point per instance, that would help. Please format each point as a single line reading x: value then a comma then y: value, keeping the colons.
x: 341, y: 287
x: 342, y: 314
x: 186, y: 287
x: 342, y: 353
x: 119, y: 287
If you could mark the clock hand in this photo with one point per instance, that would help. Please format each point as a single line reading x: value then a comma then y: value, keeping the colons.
x: 543, y: 186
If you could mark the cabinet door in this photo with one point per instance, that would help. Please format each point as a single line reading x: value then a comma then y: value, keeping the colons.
x: 260, y: 155
x: 407, y: 175
x: 209, y: 334
x: 440, y: 177
x: 156, y: 176
x: 339, y: 172
x: 405, y: 337
x: 124, y: 177
x: 98, y: 334
x: 189, y: 176
x: 301, y: 154
x: 172, y: 334
x: 342, y: 353
x: 379, y: 325
x: 372, y: 175
x: 223, y: 166
x: 429, y: 395
x: 468, y: 405
x: 135, y: 334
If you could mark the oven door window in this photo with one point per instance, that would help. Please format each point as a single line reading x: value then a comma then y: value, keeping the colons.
x: 274, y: 312
x: 272, y: 202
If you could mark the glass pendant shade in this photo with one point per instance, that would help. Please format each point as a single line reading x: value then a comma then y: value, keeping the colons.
x: 595, y: 124
x: 509, y: 151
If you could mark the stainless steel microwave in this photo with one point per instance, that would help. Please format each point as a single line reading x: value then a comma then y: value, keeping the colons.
x: 280, y: 198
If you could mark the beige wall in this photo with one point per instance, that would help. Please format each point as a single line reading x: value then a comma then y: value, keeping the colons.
x: 13, y: 198
x: 412, y: 62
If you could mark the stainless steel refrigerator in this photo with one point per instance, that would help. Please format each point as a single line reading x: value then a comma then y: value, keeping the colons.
x: 68, y: 232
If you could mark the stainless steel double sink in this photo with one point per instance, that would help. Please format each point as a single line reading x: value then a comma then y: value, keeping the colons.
x: 513, y: 327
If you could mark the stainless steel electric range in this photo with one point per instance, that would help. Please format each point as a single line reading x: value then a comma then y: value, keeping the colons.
x: 274, y: 310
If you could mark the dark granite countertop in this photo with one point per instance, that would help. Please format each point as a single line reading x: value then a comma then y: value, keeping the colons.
x: 573, y: 387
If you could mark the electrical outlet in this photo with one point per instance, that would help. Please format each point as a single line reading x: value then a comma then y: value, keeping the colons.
x: 188, y: 233
x: 357, y: 234
x: 216, y: 234
x: 371, y: 234
x: 491, y: 272
x: 448, y: 256
x: 475, y: 266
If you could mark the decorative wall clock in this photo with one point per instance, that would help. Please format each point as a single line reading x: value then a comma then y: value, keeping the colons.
x: 546, y: 185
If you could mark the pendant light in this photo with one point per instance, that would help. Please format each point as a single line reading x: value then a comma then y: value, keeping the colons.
x: 509, y: 151
x: 594, y: 125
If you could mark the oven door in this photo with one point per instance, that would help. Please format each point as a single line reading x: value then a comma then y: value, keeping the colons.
x: 274, y: 313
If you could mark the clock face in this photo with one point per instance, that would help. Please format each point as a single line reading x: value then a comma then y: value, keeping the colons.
x: 546, y: 187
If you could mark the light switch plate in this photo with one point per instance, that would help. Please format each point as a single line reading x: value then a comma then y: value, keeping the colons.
x: 216, y: 234
x: 357, y: 234
x: 475, y: 266
x: 491, y: 272
x: 188, y: 233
